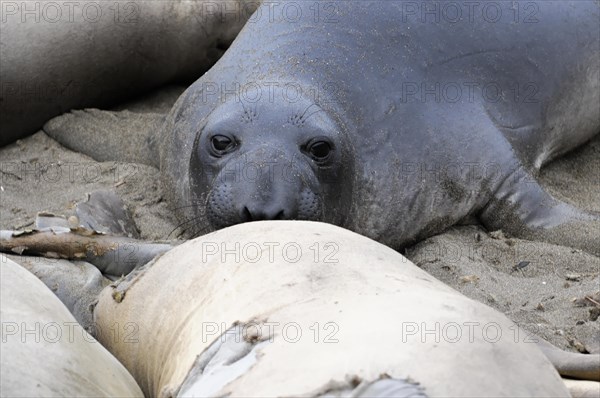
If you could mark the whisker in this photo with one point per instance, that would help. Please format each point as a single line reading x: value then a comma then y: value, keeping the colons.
x: 314, y: 113
x: 203, y: 230
x: 304, y: 118
x: 306, y: 110
x: 185, y: 207
x: 180, y: 225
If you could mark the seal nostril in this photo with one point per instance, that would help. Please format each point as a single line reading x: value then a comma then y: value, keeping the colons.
x: 259, y: 215
x: 246, y: 215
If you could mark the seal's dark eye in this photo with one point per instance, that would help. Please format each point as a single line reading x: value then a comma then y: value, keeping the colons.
x: 220, y: 145
x: 319, y: 150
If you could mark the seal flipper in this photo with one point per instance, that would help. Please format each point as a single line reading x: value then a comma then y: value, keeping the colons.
x: 105, y: 212
x: 107, y: 135
x: 571, y: 364
x: 521, y: 207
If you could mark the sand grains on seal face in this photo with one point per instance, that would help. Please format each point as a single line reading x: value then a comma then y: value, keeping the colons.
x: 321, y: 302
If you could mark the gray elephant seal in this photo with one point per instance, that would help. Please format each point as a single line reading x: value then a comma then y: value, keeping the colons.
x: 55, y: 56
x: 377, y: 118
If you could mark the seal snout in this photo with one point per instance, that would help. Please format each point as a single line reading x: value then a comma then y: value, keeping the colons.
x: 231, y: 204
x: 263, y: 185
x: 223, y: 207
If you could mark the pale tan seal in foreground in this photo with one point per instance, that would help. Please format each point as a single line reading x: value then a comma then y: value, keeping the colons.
x: 309, y: 309
x: 45, y: 352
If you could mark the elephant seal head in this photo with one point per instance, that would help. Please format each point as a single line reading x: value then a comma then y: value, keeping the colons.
x: 270, y: 159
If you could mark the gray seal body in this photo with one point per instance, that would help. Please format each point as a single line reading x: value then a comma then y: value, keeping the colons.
x: 390, y: 121
x: 55, y: 56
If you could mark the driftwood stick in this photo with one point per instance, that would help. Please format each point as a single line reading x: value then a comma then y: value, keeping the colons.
x: 113, y: 255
